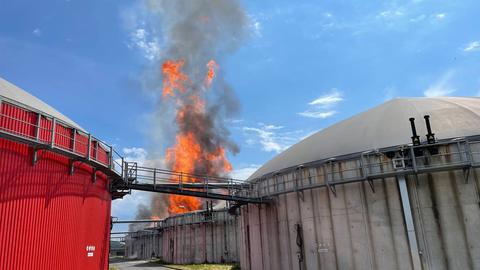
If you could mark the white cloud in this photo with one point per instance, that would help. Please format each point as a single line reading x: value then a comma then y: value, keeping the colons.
x: 270, y: 137
x: 255, y: 26
x: 236, y: 121
x: 390, y: 14
x: 418, y: 18
x: 267, y: 138
x: 37, y: 32
x: 141, y: 157
x: 140, y: 39
x: 321, y: 107
x: 244, y: 172
x: 472, y: 46
x: 127, y: 207
x: 320, y: 115
x: 329, y: 99
x: 440, y: 16
x: 442, y: 87
x: 135, y: 154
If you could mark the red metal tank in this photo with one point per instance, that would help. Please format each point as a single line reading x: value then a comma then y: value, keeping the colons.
x: 54, y: 188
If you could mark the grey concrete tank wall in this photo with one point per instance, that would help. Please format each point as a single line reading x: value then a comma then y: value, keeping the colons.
x: 189, y: 238
x: 358, y: 226
x: 143, y: 245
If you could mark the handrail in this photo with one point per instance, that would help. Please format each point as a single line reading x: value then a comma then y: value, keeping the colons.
x: 46, y: 132
x: 36, y: 133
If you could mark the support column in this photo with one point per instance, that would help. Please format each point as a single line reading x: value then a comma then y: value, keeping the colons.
x: 407, y: 214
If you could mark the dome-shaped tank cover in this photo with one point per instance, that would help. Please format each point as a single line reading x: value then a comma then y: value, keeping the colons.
x: 383, y: 126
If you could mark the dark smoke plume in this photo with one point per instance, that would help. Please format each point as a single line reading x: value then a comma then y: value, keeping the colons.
x: 196, y: 31
x: 143, y: 212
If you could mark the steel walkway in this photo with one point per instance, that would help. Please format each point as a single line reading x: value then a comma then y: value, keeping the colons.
x: 42, y: 133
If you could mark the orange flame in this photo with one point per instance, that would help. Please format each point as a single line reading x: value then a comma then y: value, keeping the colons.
x: 187, y: 154
x: 173, y: 78
x: 211, y: 65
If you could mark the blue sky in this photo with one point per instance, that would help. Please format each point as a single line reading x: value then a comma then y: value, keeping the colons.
x: 305, y: 65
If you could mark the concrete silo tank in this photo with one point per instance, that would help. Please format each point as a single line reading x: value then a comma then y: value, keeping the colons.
x: 360, y: 195
x: 54, y: 188
x: 195, y: 237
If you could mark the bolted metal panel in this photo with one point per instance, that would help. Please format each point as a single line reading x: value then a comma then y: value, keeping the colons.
x: 51, y: 219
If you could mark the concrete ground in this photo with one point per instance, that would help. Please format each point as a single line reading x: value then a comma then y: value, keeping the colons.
x: 136, y: 265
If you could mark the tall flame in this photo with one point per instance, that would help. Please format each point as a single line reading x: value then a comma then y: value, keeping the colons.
x: 173, y: 78
x: 187, y: 155
x: 211, y: 65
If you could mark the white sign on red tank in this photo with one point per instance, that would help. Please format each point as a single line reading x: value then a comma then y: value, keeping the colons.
x: 90, y: 250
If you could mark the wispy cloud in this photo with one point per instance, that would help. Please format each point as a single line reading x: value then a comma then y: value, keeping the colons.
x: 244, y: 172
x: 442, y: 87
x: 321, y: 107
x: 440, y: 16
x: 127, y: 207
x: 320, y: 115
x: 390, y: 14
x: 135, y: 154
x: 472, y: 46
x: 329, y: 99
x: 149, y: 46
x: 141, y: 156
x: 37, y: 32
x: 271, y: 138
x: 255, y: 26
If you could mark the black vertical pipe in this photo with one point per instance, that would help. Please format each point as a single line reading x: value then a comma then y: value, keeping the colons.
x: 430, y: 135
x: 415, y: 137
x: 427, y: 121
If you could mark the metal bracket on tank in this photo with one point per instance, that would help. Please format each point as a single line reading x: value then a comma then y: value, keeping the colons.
x: 301, y: 195
x: 466, y: 174
x: 325, y: 176
x: 333, y: 189
x: 94, y: 176
x: 35, y: 156
x: 370, y: 183
x: 298, y: 175
x: 363, y: 171
x: 72, y: 167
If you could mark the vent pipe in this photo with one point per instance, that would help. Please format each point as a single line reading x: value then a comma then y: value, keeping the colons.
x: 415, y: 137
x: 430, y: 135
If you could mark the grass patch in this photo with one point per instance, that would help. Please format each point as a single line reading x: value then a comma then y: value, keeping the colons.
x: 198, y: 266
x: 202, y: 266
x: 112, y: 268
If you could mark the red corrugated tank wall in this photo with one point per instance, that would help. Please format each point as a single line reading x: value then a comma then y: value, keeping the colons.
x: 49, y: 218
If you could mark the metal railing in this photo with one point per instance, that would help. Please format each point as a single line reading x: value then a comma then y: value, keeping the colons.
x: 28, y: 125
x: 22, y: 123
x: 452, y: 154
x: 46, y: 132
x: 166, y: 181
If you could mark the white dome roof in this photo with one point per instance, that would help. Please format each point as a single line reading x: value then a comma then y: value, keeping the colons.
x: 13, y: 92
x: 383, y: 126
